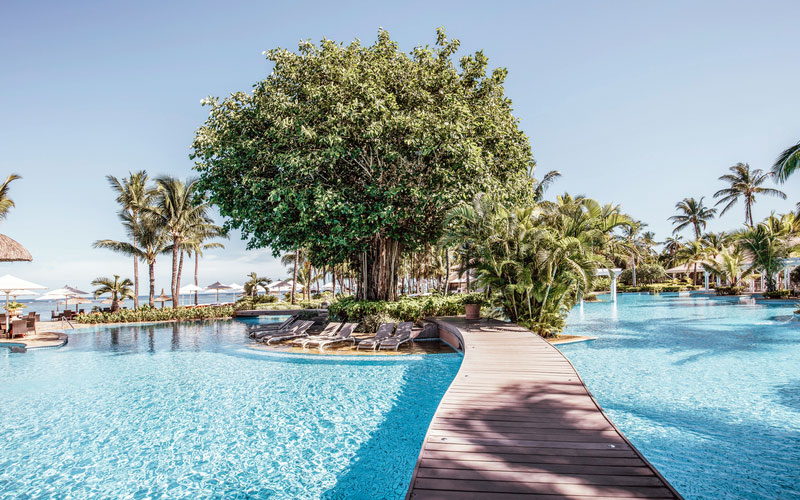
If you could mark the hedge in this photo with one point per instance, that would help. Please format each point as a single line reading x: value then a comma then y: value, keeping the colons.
x: 777, y: 294
x: 406, y: 309
x: 147, y: 314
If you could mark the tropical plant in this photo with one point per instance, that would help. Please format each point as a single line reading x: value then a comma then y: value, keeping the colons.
x: 179, y: 208
x: 745, y: 184
x: 118, y: 289
x: 361, y: 151
x: 195, y: 244
x: 151, y: 241
x: 787, y: 163
x: 730, y: 265
x: 6, y: 203
x: 255, y: 281
x: 671, y: 246
x: 767, y: 245
x: 692, y: 254
x: 692, y: 213
x: 541, y: 186
x: 133, y: 196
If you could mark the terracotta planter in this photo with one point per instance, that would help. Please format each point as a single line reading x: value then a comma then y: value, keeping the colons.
x: 473, y: 311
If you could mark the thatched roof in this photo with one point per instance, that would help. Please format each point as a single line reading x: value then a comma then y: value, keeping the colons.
x: 11, y: 251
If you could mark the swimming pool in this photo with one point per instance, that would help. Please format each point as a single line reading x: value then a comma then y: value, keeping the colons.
x: 187, y: 411
x: 707, y: 388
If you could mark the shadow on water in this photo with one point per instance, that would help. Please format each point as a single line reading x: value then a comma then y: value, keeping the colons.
x: 382, y: 467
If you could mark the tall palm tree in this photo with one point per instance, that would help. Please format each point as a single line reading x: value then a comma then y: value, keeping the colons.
x: 151, y: 240
x: 693, y: 253
x: 295, y: 261
x: 179, y: 206
x: 196, y: 242
x: 6, y: 203
x: 767, y: 245
x: 787, y: 163
x: 119, y: 289
x: 745, y: 184
x: 133, y: 195
x: 671, y: 246
x: 692, y: 213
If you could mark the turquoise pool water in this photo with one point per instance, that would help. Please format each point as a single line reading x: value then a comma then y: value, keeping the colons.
x: 187, y: 411
x: 707, y: 388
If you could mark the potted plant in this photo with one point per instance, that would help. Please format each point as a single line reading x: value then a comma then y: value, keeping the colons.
x: 14, y: 308
x: 472, y: 305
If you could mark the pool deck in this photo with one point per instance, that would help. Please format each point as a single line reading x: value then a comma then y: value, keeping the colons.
x: 518, y: 423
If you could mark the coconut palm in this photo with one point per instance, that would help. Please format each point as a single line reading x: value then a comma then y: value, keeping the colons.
x: 745, y: 184
x: 541, y: 186
x: 133, y: 195
x: 671, y: 246
x: 787, y: 163
x: 692, y: 213
x: 178, y: 207
x: 195, y: 244
x: 255, y: 281
x: 767, y: 245
x: 6, y: 203
x: 119, y: 289
x: 692, y: 254
x: 730, y: 265
x: 151, y: 240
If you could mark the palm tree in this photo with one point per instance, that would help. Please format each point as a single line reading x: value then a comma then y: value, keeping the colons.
x: 151, y: 241
x: 179, y: 206
x: 6, y: 203
x: 693, y: 213
x: 196, y: 243
x: 119, y: 290
x: 134, y: 196
x: 671, y: 246
x: 692, y: 253
x: 730, y: 265
x: 787, y: 163
x: 767, y: 245
x: 745, y: 184
x: 541, y: 186
x: 255, y: 281
x: 296, y: 261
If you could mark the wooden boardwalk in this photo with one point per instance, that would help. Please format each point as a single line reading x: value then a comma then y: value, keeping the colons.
x: 518, y: 423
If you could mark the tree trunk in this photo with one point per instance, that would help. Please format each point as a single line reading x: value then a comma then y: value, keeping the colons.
x: 446, y: 271
x: 333, y: 281
x: 294, y: 275
x: 174, y: 272
x: 135, y: 272
x: 379, y: 265
x: 196, y: 265
x: 180, y: 272
x: 633, y: 259
x: 152, y: 267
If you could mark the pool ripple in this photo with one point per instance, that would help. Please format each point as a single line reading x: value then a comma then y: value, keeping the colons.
x: 160, y: 412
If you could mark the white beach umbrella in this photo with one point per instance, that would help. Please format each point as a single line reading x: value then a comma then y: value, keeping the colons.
x: 217, y: 286
x: 189, y: 289
x: 10, y: 283
x: 236, y: 288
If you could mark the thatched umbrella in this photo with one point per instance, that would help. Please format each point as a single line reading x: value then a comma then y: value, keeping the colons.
x: 162, y: 298
x: 11, y: 251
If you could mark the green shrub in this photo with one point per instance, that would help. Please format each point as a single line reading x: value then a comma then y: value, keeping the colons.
x: 371, y: 322
x: 405, y: 309
x: 645, y: 274
x: 777, y: 294
x: 728, y: 290
x: 602, y: 284
x: 146, y: 314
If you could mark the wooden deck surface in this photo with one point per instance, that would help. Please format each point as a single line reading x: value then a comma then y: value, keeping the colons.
x: 518, y: 423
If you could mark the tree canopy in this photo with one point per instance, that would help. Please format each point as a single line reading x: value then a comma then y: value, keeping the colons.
x: 356, y: 153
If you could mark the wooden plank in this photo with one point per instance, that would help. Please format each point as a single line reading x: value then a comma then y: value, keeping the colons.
x: 518, y: 422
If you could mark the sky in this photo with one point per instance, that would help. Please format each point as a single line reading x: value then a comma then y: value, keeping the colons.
x: 635, y: 103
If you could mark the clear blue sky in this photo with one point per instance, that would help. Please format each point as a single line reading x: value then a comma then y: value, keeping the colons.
x: 639, y: 103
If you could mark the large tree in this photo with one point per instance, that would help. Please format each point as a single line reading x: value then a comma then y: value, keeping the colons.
x: 356, y: 153
x: 745, y: 184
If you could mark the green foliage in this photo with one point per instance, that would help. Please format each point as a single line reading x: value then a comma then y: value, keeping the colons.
x: 767, y: 245
x: 474, y: 298
x: 271, y: 303
x: 14, y: 306
x: 534, y: 261
x: 148, y: 314
x: 601, y: 284
x: 645, y: 274
x: 345, y: 149
x: 777, y: 294
x: 728, y: 290
x: 405, y: 309
x: 371, y: 322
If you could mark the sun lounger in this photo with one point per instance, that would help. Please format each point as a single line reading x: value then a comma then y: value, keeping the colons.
x: 401, y: 336
x: 271, y: 326
x: 383, y: 333
x: 263, y: 334
x: 327, y: 332
x: 300, y: 331
x: 343, y: 335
